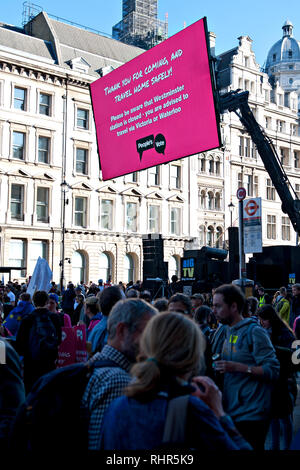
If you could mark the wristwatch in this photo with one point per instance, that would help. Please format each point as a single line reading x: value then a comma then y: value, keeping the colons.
x: 249, y: 370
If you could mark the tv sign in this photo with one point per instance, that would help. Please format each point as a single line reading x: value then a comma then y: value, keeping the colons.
x: 188, y: 269
x: 158, y: 107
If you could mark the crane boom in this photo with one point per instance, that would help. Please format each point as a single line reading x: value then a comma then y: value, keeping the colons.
x: 237, y: 102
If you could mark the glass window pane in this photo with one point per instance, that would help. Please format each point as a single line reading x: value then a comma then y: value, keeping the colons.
x: 17, y: 256
x: 45, y: 102
x: 18, y: 145
x: 106, y: 214
x: 81, y: 161
x: 44, y: 149
x: 19, y: 98
x: 131, y: 216
x: 42, y: 204
x: 16, y: 201
x: 82, y: 118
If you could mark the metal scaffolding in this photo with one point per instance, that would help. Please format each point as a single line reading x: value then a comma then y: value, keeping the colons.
x: 140, y: 25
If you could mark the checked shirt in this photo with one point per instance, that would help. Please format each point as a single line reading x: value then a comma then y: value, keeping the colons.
x: 105, y: 384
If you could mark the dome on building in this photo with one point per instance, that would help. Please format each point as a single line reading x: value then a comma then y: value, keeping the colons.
x: 287, y: 49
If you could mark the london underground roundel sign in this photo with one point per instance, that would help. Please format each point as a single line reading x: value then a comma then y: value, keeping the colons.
x: 241, y: 194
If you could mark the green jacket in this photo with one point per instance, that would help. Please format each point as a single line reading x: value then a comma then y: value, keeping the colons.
x: 283, y: 309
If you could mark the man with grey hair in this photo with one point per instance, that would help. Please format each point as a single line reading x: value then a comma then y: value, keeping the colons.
x: 125, y: 325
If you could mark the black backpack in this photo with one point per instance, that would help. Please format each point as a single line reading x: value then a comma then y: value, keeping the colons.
x: 43, y: 340
x: 52, y: 417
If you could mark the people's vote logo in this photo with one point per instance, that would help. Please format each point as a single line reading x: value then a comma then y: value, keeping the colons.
x: 80, y: 335
x: 149, y: 142
x: 296, y: 354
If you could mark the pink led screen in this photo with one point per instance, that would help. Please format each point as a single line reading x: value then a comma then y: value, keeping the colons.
x: 158, y: 107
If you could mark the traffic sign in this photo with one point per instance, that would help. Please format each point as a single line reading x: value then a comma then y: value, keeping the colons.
x: 251, y: 207
x: 241, y: 194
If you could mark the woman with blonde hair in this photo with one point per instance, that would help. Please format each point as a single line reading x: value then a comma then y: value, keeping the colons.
x: 170, y: 361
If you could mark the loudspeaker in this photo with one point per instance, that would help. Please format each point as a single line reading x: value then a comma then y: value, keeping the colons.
x: 153, y: 257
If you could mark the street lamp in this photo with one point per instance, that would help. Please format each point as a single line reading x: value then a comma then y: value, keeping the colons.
x: 231, y: 206
x: 64, y: 187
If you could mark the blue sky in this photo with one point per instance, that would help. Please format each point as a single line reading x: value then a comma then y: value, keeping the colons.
x: 260, y: 19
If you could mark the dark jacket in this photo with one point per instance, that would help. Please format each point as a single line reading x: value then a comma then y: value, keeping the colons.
x: 130, y: 424
x: 12, y: 392
x: 34, y: 370
x: 67, y: 303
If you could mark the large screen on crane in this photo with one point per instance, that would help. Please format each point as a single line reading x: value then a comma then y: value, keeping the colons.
x: 158, y: 107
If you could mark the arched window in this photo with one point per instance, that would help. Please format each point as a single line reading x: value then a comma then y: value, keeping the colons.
x: 211, y: 167
x: 210, y: 201
x: 217, y: 201
x: 128, y: 268
x: 78, y: 267
x: 202, y: 235
x: 174, y: 267
x: 203, y: 200
x: 219, y: 236
x: 104, y: 267
x: 210, y: 236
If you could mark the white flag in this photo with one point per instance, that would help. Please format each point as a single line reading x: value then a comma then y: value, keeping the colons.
x: 41, y: 277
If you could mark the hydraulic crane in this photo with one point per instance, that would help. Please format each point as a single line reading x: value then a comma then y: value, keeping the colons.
x: 237, y: 102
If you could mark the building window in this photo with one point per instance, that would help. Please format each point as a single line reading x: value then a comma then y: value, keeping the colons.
x: 274, y: 57
x: 45, y: 104
x: 219, y: 239
x: 17, y: 257
x: 270, y: 190
x: 203, y: 200
x: 128, y: 268
x: 218, y: 201
x: 18, y: 145
x: 240, y: 180
x: 284, y: 156
x: 210, y: 236
x: 153, y: 219
x: 38, y: 248
x: 20, y: 98
x: 80, y: 211
x: 202, y: 165
x: 241, y: 147
x: 131, y: 216
x: 82, y: 118
x: 246, y: 61
x: 249, y: 185
x: 247, y: 152
x: 211, y: 167
x: 153, y: 176
x: 255, y: 186
x: 105, y: 271
x: 175, y: 221
x: 44, y: 149
x: 211, y: 201
x: 17, y: 202
x: 285, y: 228
x: 174, y: 267
x: 297, y: 190
x: 106, y: 214
x: 78, y: 267
x: 175, y: 180
x: 202, y: 235
x: 271, y: 227
x: 81, y: 161
x: 42, y: 204
x: 218, y: 167
x: 296, y: 159
x: 290, y: 53
x: 132, y: 177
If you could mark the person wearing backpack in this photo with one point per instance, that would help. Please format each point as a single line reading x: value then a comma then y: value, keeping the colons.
x: 107, y: 299
x: 38, y: 339
x: 249, y: 365
x: 285, y: 392
x: 166, y: 377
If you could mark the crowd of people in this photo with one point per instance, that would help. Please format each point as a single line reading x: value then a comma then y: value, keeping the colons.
x: 217, y: 362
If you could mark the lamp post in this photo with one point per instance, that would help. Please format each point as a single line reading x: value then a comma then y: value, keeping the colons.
x: 64, y: 188
x: 231, y: 206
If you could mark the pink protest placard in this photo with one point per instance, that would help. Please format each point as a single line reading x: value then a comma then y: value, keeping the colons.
x: 158, y: 107
x: 80, y: 340
x: 67, y: 347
